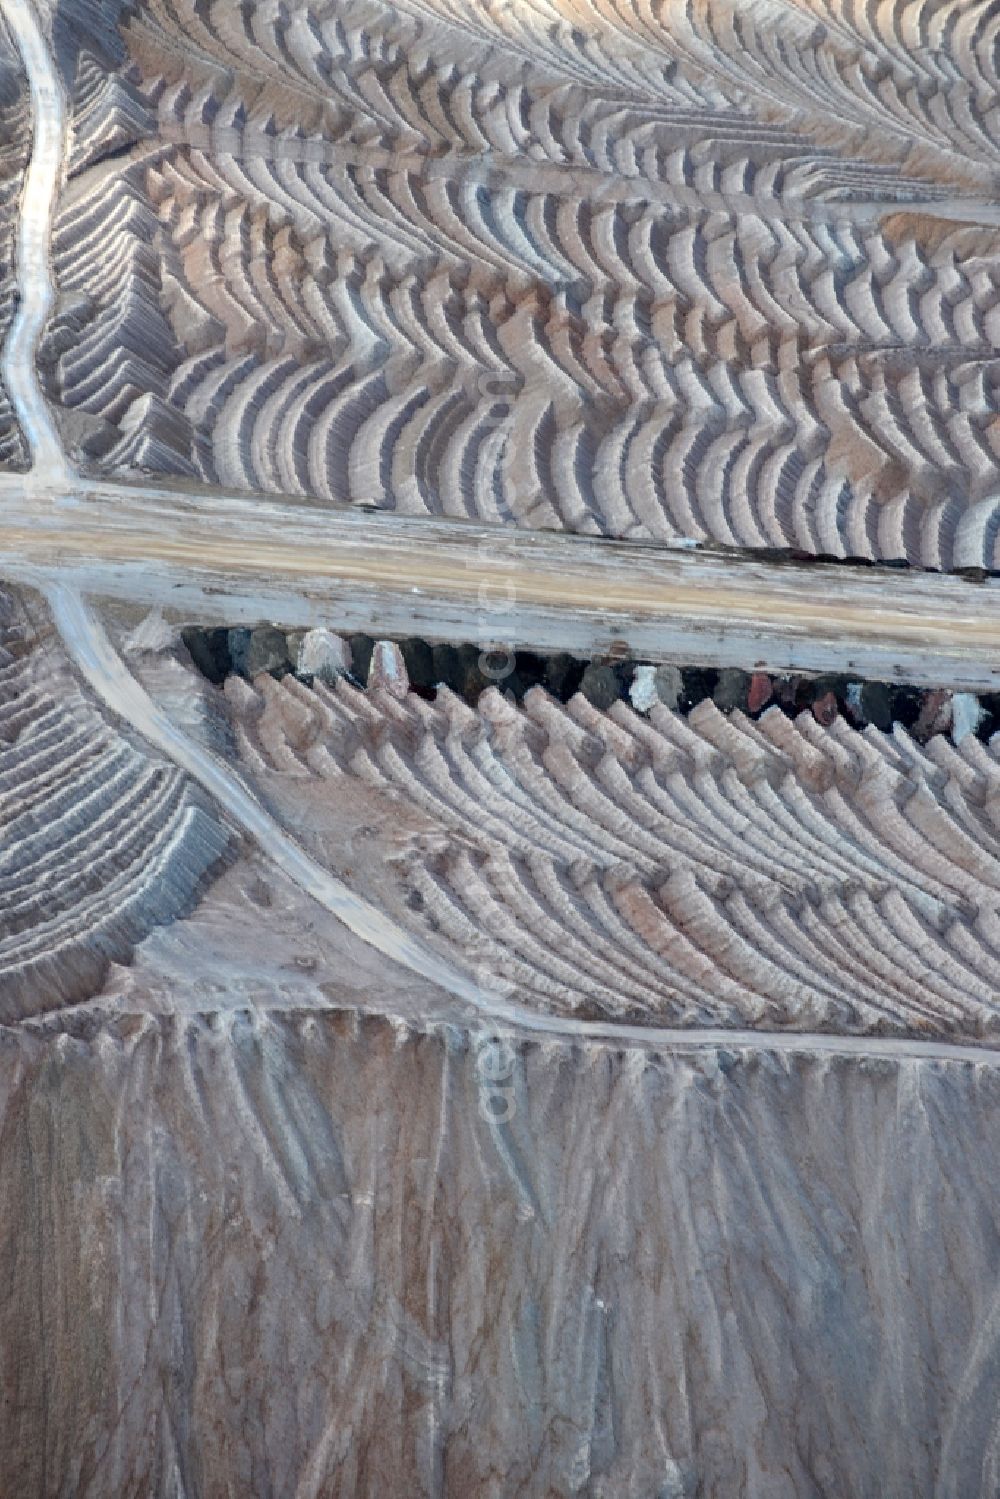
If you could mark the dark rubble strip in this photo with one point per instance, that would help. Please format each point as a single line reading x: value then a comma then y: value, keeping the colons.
x: 469, y: 669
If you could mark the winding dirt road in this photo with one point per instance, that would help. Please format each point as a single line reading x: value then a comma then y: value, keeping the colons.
x: 50, y: 469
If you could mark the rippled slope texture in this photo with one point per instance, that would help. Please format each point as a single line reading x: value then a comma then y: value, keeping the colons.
x: 724, y: 272
x: 665, y: 871
x: 293, y: 1257
x: 99, y: 842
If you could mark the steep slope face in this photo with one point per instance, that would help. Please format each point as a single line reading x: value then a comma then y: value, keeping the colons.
x: 718, y: 274
x: 99, y: 842
x: 294, y: 1255
x: 667, y: 871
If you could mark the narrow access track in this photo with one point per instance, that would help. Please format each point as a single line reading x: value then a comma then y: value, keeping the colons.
x: 217, y: 557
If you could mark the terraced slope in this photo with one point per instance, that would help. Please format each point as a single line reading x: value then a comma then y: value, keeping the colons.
x: 722, y: 273
x: 707, y: 871
x: 99, y: 842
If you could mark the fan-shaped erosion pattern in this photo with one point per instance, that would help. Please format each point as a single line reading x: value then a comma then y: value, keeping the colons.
x: 724, y: 273
x: 647, y: 868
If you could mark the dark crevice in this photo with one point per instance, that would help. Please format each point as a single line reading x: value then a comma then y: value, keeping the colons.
x: 469, y: 669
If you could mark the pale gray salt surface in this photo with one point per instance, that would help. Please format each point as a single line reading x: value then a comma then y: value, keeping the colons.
x: 289, y: 1254
x: 298, y: 1254
x: 255, y: 942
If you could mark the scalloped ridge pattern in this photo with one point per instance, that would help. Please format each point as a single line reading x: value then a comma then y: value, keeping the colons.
x: 720, y: 273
